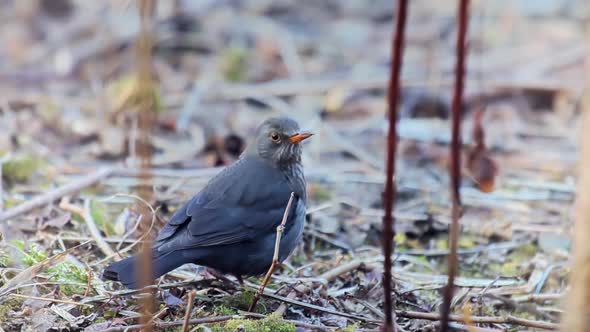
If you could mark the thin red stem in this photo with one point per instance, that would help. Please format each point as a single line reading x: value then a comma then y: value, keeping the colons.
x: 390, y: 189
x: 455, y: 164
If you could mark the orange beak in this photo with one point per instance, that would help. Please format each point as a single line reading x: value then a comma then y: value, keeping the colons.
x: 300, y: 137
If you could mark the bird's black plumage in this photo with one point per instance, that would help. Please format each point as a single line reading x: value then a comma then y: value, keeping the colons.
x: 230, y: 225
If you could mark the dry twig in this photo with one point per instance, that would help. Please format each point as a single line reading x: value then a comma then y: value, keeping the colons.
x: 189, y: 308
x: 275, y: 258
x: 87, y: 215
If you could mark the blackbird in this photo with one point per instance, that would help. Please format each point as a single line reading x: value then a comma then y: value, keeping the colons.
x: 230, y: 225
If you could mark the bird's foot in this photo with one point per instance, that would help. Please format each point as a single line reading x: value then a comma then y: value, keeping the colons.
x: 219, y: 276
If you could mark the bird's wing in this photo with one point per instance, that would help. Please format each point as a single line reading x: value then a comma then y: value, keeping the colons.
x: 244, y: 200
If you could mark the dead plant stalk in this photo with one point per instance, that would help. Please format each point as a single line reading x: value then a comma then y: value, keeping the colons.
x: 390, y: 189
x: 146, y: 120
x: 577, y: 315
x: 455, y: 163
x: 189, y: 308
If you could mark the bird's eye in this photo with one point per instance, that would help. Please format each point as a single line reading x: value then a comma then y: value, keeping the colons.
x: 275, y: 137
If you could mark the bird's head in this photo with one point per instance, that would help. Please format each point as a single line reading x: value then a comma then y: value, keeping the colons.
x: 278, y: 141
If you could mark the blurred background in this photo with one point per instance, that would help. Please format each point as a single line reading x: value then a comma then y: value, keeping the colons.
x: 74, y: 83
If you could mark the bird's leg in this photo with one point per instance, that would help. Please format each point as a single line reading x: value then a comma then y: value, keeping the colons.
x: 219, y: 276
x: 240, y: 280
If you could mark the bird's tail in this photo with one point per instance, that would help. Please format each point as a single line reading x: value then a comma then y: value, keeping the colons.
x: 125, y: 271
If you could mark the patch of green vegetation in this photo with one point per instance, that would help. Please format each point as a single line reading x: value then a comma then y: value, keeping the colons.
x: 441, y: 243
x: 68, y: 275
x: 20, y: 168
x: 321, y: 193
x: 234, y: 63
x: 99, y: 320
x: 31, y: 255
x: 242, y: 301
x: 506, y: 269
x: 8, y: 306
x: 272, y: 323
x: 65, y: 273
x: 401, y: 240
x: 99, y: 213
x: 10, y: 202
x: 223, y: 310
x: 524, y: 252
x: 466, y: 242
x: 297, y: 260
x: 4, y: 259
x: 130, y: 92
x: 351, y: 328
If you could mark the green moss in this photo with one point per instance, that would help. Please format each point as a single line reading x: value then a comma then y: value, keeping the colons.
x: 8, y: 306
x: 351, y: 328
x: 524, y: 252
x: 10, y: 202
x: 242, y: 301
x: 130, y: 92
x: 31, y: 255
x: 272, y: 323
x: 321, y: 194
x: 466, y: 242
x: 64, y: 273
x: 99, y: 213
x: 20, y: 168
x: 99, y: 320
x: 4, y: 259
x: 67, y: 274
x: 223, y: 310
x: 401, y: 240
x: 234, y: 64
x: 441, y: 244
